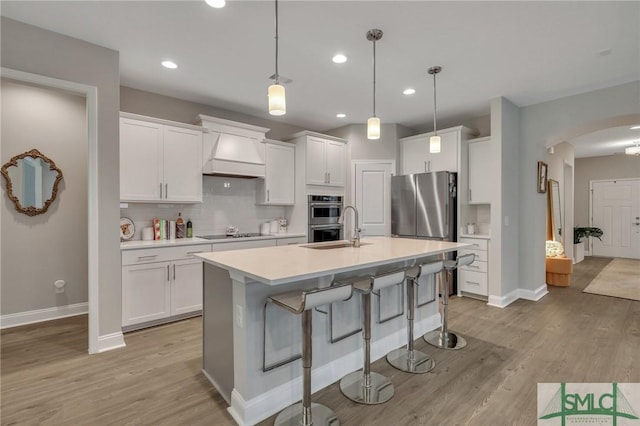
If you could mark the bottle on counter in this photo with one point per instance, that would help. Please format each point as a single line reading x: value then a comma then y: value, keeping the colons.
x: 180, y: 227
x: 189, y: 229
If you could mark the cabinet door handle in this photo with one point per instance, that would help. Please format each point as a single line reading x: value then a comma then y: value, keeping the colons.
x: 470, y: 196
x: 166, y: 190
x: 168, y: 279
x: 174, y: 271
x: 268, y: 196
x: 151, y: 256
x: 425, y: 167
x: 161, y: 190
x: 429, y: 162
x: 329, y: 177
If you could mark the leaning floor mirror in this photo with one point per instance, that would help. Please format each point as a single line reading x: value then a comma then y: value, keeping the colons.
x: 31, y: 181
x: 554, y: 212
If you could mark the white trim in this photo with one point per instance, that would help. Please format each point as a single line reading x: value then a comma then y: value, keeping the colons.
x: 111, y: 341
x: 40, y: 315
x: 520, y: 293
x: 250, y: 412
x: 91, y: 95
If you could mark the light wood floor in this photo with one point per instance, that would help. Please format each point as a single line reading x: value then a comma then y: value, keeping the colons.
x: 568, y: 336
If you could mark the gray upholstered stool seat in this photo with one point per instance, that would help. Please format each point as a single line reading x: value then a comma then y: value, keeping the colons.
x: 408, y: 359
x: 364, y: 386
x: 443, y: 338
x: 302, y: 302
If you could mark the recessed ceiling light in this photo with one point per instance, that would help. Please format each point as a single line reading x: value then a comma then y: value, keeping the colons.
x: 169, y: 64
x: 635, y: 127
x: 216, y: 3
x: 341, y: 115
x: 409, y: 91
x: 339, y: 59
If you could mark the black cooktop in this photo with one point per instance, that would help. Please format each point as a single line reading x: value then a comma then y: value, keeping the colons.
x: 224, y: 237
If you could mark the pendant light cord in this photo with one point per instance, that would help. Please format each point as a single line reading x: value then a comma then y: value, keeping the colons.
x: 435, y: 131
x: 277, y: 77
x: 374, y: 77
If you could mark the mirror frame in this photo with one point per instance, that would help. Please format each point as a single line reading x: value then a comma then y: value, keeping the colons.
x: 31, y: 211
x: 552, y: 195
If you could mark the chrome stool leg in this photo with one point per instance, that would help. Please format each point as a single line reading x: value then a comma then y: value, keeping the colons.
x: 364, y: 386
x: 306, y: 413
x: 409, y: 359
x: 443, y: 338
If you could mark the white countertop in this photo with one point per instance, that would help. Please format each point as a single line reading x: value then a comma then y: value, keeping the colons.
x: 284, y: 264
x: 139, y: 244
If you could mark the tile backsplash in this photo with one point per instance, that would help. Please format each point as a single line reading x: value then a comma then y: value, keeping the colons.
x: 221, y: 206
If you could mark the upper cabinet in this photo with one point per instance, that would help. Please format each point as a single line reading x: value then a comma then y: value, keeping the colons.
x: 416, y: 158
x: 278, y: 185
x: 479, y: 163
x: 160, y: 160
x: 324, y: 158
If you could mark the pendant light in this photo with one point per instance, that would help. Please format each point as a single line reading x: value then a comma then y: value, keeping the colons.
x: 373, y: 124
x: 633, y: 150
x: 277, y: 101
x: 434, y: 141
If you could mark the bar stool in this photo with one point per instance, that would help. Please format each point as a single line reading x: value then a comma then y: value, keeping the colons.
x: 407, y: 359
x: 302, y: 302
x: 443, y: 338
x: 364, y: 386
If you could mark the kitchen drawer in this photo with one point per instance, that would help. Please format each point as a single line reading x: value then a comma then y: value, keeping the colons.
x: 473, y: 282
x: 162, y: 254
x: 477, y: 266
x: 481, y: 255
x: 479, y: 244
x: 241, y: 245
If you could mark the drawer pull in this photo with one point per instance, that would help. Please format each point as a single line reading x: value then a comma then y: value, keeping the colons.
x: 473, y: 283
x: 151, y: 256
x: 473, y: 266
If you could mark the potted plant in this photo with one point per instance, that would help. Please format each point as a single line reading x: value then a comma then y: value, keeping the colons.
x: 579, y: 233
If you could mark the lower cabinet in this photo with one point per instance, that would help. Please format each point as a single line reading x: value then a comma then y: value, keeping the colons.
x: 473, y: 278
x: 160, y: 284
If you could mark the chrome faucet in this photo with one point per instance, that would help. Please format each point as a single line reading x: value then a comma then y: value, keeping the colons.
x: 355, y: 238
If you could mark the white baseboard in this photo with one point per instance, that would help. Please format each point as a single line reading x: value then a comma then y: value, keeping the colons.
x: 40, y: 315
x: 520, y: 293
x: 111, y: 341
x: 250, y: 412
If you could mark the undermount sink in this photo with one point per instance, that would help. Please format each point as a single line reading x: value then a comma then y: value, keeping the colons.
x: 331, y: 245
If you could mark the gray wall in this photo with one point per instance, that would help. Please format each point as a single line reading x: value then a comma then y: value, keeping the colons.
x: 546, y: 124
x: 594, y: 168
x: 38, y: 250
x: 153, y: 105
x: 34, y: 50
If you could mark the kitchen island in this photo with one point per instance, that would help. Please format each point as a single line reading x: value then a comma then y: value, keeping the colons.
x: 250, y: 349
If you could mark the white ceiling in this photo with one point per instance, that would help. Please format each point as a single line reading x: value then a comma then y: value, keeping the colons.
x: 528, y: 52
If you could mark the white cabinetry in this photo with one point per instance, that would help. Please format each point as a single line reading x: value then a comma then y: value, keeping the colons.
x: 291, y: 241
x: 278, y: 185
x: 159, y: 284
x: 479, y: 165
x: 473, y: 278
x: 325, y: 159
x: 416, y: 158
x: 160, y: 161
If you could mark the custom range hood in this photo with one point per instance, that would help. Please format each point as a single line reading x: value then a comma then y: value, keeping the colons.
x: 232, y: 149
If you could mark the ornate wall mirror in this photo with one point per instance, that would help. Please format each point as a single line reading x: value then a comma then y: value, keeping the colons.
x: 554, y: 213
x: 32, y: 182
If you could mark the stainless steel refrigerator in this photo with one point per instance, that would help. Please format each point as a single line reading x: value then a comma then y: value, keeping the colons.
x: 423, y: 205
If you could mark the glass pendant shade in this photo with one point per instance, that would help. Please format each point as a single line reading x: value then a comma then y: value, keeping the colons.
x: 434, y: 144
x: 632, y: 150
x: 373, y: 128
x: 277, y: 101
x: 216, y: 3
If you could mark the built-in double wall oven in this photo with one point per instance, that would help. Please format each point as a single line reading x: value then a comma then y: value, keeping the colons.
x: 324, y: 212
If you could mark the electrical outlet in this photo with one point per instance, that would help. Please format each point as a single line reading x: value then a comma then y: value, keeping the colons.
x: 239, y: 315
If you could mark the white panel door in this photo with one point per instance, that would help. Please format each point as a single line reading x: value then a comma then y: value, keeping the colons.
x: 182, y: 164
x: 373, y: 197
x: 140, y: 161
x: 616, y: 210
